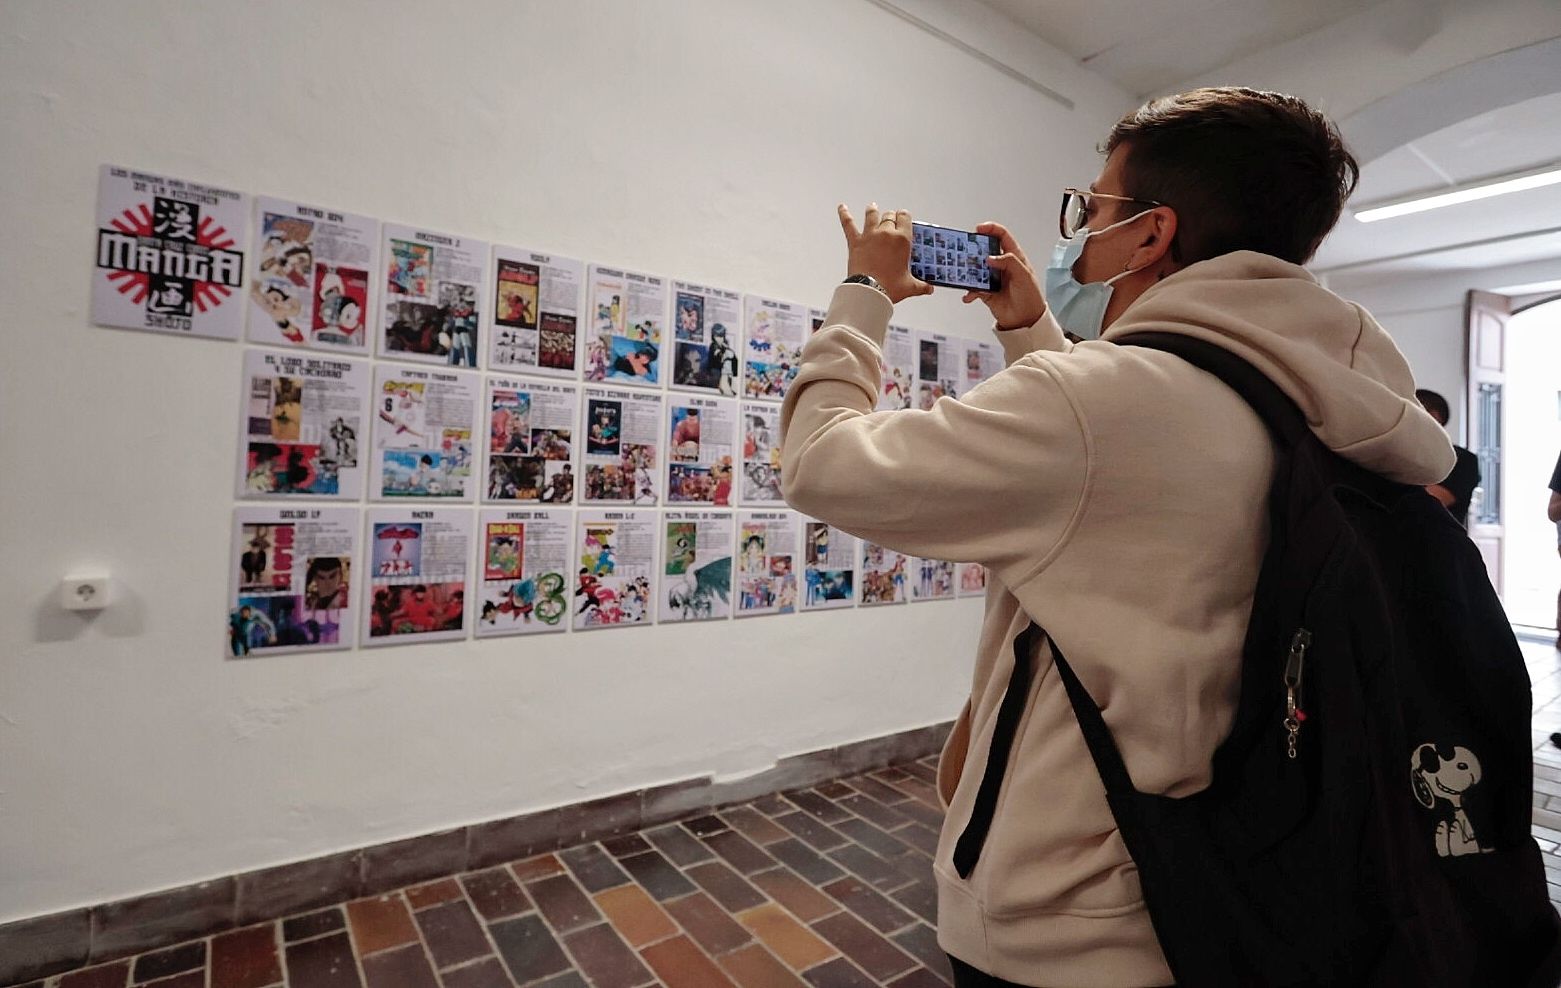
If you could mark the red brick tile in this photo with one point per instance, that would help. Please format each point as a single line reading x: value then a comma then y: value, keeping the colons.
x: 604, y: 958
x: 682, y: 847
x: 755, y: 967
x: 681, y: 964
x: 919, y: 978
x: 805, y: 861
x: 538, y: 867
x: 707, y: 923
x: 314, y: 924
x: 107, y: 976
x: 704, y: 826
x: 872, y: 838
x: 834, y: 790
x: 920, y: 898
x: 562, y: 903
x: 740, y: 852
x: 869, y: 786
x: 635, y: 915
x: 819, y: 836
x: 622, y: 847
x: 875, y: 955
x: 380, y: 923
x: 817, y: 806
x: 786, y: 938
x: 189, y: 979
x: 874, y: 812
x: 921, y: 942
x: 657, y: 875
x: 805, y: 902
x: 592, y: 868
x: 495, y: 893
x: 246, y: 958
x: 452, y: 933
x: 915, y: 835
x: 753, y: 825
x: 487, y: 973
x: 878, y: 873
x: 866, y: 904
x: 423, y: 896
x: 839, y: 973
x: 323, y: 963
x: 404, y: 967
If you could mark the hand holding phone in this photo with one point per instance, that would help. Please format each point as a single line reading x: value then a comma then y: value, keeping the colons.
x: 1019, y: 301
x: 881, y: 247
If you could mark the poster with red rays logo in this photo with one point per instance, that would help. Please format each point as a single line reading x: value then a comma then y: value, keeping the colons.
x: 169, y: 255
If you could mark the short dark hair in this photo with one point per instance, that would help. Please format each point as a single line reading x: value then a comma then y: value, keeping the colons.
x: 1435, y: 404
x: 1244, y: 170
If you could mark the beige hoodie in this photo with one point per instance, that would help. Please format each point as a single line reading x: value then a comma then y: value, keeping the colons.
x: 1119, y: 496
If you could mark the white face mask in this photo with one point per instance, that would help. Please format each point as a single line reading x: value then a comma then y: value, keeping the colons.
x: 1079, y: 308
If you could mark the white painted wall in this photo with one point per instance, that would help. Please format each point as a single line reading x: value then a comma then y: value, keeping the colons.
x: 704, y: 139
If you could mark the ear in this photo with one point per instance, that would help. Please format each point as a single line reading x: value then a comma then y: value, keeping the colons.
x: 1423, y: 794
x: 1155, y: 239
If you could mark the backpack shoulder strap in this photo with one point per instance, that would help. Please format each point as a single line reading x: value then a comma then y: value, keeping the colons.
x: 1273, y: 406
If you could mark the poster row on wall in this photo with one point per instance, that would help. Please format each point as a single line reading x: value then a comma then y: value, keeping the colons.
x: 318, y: 578
x: 318, y: 425
x: 185, y: 258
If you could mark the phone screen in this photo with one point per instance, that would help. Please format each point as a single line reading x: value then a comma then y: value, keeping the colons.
x: 953, y: 258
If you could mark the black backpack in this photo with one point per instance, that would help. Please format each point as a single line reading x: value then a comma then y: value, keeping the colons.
x: 1368, y: 821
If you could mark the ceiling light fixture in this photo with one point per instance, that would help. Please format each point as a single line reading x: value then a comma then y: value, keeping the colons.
x: 1549, y: 175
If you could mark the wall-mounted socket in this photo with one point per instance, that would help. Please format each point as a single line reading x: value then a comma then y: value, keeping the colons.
x: 86, y: 593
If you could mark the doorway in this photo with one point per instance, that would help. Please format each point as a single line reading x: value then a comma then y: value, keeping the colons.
x: 1531, y: 571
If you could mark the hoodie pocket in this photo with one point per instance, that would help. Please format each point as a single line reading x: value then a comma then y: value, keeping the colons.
x: 951, y: 763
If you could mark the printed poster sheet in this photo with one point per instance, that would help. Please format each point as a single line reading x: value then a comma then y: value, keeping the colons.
x: 940, y: 368
x: 696, y: 580
x: 423, y: 433
x: 311, y: 276
x: 432, y: 296
x: 302, y: 419
x: 531, y: 428
x: 972, y: 580
x: 290, y: 585
x: 170, y: 255
x: 885, y: 573
x: 523, y: 571
x: 536, y: 312
x: 982, y: 360
x: 616, y: 552
x: 628, y: 315
x: 704, y: 329
x: 767, y: 562
x: 701, y: 448
x: 829, y: 574
x: 898, y: 368
x: 761, y: 453
x: 816, y: 320
x: 772, y: 346
x: 622, y: 429
x: 934, y: 580
x: 417, y: 575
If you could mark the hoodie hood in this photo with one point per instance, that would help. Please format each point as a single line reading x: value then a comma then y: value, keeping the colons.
x: 1329, y: 355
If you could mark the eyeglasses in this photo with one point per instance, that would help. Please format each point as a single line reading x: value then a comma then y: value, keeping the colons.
x: 1076, y: 206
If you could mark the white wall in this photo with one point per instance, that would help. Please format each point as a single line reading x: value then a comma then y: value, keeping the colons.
x: 704, y: 139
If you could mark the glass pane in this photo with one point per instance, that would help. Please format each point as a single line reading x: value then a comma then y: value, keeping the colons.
x: 1488, y: 449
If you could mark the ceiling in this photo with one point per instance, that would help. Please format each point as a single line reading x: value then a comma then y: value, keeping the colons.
x: 1148, y: 47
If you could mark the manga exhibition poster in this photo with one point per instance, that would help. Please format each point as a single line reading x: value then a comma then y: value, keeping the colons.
x: 170, y: 255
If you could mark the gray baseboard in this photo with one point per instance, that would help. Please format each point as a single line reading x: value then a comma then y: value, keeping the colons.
x: 46, y: 945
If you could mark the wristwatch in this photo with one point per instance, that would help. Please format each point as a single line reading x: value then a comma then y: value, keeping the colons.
x: 869, y: 281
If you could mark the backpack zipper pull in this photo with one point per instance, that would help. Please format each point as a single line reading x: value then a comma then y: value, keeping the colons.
x: 1294, y: 715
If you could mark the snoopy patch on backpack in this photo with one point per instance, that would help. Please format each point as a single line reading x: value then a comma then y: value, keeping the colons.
x: 1439, y: 774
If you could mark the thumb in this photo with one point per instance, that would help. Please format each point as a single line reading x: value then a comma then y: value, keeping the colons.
x: 923, y: 288
x: 1003, y: 262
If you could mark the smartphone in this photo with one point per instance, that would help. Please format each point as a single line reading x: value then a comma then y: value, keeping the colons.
x: 941, y: 255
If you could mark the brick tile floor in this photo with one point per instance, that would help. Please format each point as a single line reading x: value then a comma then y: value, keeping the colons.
x: 829, y: 887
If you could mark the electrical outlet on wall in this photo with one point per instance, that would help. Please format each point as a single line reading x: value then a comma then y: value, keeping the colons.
x: 86, y: 593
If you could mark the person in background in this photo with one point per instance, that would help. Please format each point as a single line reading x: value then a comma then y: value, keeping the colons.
x: 1457, y: 490
x: 1555, y: 516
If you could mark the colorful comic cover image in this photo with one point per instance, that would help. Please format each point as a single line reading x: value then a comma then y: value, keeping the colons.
x: 290, y: 589
x: 423, y: 433
x: 536, y: 312
x: 627, y: 314
x: 897, y: 366
x: 761, y: 454
x: 972, y: 580
x: 524, y: 572
x: 772, y: 347
x: 885, y: 574
x: 767, y: 563
x: 704, y: 329
x: 829, y: 574
x: 432, y: 292
x: 696, y: 582
x: 417, y: 575
x: 531, y: 441
x: 616, y: 553
x: 940, y: 367
x: 310, y: 283
x: 301, y: 421
x: 982, y: 361
x: 170, y: 255
x: 934, y: 580
x: 701, y: 443
x: 620, y: 462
